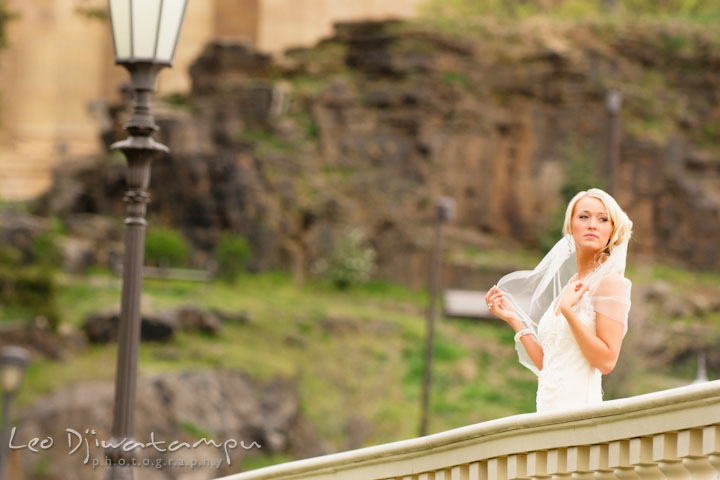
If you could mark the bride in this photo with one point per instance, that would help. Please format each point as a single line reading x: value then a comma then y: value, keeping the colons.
x: 570, y: 312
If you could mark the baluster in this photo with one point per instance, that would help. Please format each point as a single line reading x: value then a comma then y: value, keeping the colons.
x: 478, y: 471
x: 598, y: 462
x: 497, y: 468
x: 409, y: 477
x: 711, y: 445
x: 517, y: 467
x: 619, y: 460
x: 665, y: 453
x: 426, y: 476
x: 557, y: 464
x: 537, y: 465
x: 690, y: 449
x: 461, y: 472
x: 443, y: 474
x: 578, y: 459
x: 641, y: 453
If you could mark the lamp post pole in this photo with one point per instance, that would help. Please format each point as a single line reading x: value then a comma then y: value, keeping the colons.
x: 444, y: 212
x: 140, y: 150
x: 4, y: 457
x: 613, y: 104
x: 13, y: 361
x: 144, y: 37
x: 7, y: 399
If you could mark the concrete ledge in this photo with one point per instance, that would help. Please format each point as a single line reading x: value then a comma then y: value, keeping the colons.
x: 691, y: 407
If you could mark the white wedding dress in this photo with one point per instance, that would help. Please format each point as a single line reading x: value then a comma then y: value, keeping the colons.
x: 567, y: 380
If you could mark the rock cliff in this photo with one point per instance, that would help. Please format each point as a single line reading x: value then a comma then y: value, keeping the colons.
x: 372, y: 124
x: 242, y: 416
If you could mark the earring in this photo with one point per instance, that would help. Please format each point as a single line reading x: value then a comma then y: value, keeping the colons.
x: 570, y: 245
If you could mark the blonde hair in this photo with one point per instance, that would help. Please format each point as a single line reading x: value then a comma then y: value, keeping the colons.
x: 621, y: 223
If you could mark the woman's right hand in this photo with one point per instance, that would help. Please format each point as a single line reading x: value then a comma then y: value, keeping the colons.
x: 499, y: 307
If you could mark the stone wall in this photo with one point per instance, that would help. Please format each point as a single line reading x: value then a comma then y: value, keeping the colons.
x: 57, y: 73
x: 286, y: 24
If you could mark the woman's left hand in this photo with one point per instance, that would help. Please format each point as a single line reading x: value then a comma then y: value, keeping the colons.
x: 572, y: 294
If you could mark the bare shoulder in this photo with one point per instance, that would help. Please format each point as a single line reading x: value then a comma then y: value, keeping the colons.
x: 613, y: 285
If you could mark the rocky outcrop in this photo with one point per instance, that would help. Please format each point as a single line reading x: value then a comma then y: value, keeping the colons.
x: 691, y: 328
x: 370, y: 126
x: 102, y: 327
x: 190, y: 317
x: 263, y: 418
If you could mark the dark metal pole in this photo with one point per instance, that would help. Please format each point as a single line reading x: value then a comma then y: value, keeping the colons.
x: 609, y: 5
x: 139, y: 149
x: 4, y: 449
x: 444, y: 212
x: 702, y: 375
x: 613, y: 104
x: 13, y: 362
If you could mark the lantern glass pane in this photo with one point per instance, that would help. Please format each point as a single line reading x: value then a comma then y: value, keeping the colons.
x: 170, y: 23
x: 120, y: 15
x: 10, y: 377
x: 145, y: 18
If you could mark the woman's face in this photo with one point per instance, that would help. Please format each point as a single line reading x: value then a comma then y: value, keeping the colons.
x: 590, y: 225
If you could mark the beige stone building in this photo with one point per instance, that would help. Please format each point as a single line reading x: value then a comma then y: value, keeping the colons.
x: 59, y: 64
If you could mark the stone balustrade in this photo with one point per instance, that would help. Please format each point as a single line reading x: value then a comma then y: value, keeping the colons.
x: 669, y: 434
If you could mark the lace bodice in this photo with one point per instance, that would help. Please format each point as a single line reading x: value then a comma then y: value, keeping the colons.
x: 567, y: 379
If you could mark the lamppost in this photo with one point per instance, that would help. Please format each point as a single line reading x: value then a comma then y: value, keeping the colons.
x: 13, y: 361
x: 145, y: 34
x: 613, y: 104
x: 444, y: 212
x: 702, y: 375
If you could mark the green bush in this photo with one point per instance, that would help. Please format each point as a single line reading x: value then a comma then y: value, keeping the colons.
x: 45, y: 251
x: 165, y: 247
x: 352, y: 261
x: 9, y: 256
x: 31, y: 291
x: 232, y: 254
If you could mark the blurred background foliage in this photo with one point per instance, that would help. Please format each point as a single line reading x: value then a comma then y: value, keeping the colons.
x: 166, y: 247
x: 232, y: 255
x: 702, y: 10
x: 351, y: 262
x: 28, y: 292
x: 5, y: 16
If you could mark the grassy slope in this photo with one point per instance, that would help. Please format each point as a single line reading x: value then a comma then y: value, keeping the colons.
x: 361, y: 347
x: 357, y: 354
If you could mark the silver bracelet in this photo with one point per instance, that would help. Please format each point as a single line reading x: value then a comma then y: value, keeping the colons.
x: 522, y: 333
